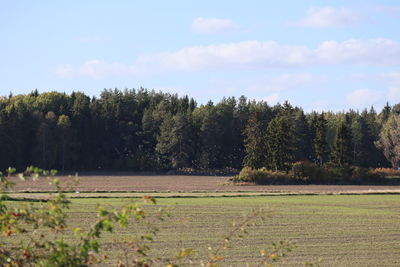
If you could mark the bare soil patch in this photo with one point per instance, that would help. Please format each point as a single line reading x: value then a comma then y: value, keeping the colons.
x: 182, y: 183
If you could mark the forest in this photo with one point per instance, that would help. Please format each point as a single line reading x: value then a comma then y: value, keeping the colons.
x: 145, y: 130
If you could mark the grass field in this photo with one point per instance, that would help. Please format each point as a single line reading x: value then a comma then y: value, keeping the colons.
x: 341, y: 230
x: 339, y: 225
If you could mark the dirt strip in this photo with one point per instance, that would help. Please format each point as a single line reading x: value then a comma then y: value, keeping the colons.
x: 187, y: 184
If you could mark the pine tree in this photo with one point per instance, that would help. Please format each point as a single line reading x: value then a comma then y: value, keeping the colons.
x: 64, y: 139
x: 320, y: 144
x: 384, y: 115
x: 342, y: 154
x: 303, y: 136
x: 281, y: 142
x: 255, y: 142
x: 175, y: 142
x: 209, y: 147
x: 46, y: 141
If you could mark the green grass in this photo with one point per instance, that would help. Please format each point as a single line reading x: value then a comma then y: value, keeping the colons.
x: 342, y: 230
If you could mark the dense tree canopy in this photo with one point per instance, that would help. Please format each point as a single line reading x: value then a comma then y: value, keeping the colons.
x: 144, y: 130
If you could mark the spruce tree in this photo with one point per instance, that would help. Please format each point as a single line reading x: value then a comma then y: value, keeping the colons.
x: 342, y: 154
x: 303, y: 136
x: 175, y: 142
x: 255, y: 142
x: 320, y: 145
x: 281, y: 142
x: 64, y: 133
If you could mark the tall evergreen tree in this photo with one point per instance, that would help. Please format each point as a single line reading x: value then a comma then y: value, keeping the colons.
x: 47, y: 142
x: 65, y: 136
x: 175, y: 142
x: 255, y: 142
x: 320, y: 145
x: 342, y: 154
x: 209, y: 147
x: 281, y: 142
x: 385, y: 113
x: 303, y: 136
x: 241, y: 117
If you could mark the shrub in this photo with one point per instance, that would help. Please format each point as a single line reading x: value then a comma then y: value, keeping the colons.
x: 385, y: 172
x: 360, y: 174
x: 263, y: 176
x: 228, y: 171
x: 340, y: 174
x: 311, y: 173
x: 306, y: 172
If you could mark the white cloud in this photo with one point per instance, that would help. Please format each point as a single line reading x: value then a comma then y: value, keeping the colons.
x: 65, y: 71
x: 283, y: 82
x: 362, y: 98
x: 378, y: 51
x: 249, y: 55
x: 329, y: 17
x: 213, y: 25
x: 319, y: 106
x: 270, y: 54
x: 391, y: 78
x: 394, y: 95
x: 271, y: 99
x: 96, y: 69
x: 390, y: 10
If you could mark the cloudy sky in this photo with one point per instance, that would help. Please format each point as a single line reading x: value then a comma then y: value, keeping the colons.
x: 328, y: 55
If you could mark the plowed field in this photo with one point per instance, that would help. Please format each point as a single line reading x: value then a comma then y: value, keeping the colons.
x: 187, y: 184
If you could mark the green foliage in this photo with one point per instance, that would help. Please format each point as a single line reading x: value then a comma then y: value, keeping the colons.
x: 320, y: 145
x: 142, y: 130
x: 281, y: 143
x: 209, y: 172
x: 263, y: 176
x: 45, y: 237
x: 306, y: 172
x: 389, y: 139
x: 311, y: 173
x: 255, y: 141
x: 342, y: 154
x: 175, y: 142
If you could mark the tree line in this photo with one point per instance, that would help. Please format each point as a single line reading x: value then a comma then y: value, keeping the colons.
x: 145, y: 130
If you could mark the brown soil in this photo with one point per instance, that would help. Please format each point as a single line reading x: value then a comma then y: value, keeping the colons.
x: 181, y: 183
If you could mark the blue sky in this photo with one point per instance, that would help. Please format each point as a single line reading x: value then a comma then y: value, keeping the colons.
x: 328, y: 55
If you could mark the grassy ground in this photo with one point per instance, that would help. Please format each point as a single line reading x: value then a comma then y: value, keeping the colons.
x: 341, y: 230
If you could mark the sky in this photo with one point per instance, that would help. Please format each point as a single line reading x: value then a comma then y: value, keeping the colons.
x: 320, y: 55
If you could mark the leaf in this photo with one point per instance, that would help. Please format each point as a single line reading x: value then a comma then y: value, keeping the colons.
x: 103, y: 212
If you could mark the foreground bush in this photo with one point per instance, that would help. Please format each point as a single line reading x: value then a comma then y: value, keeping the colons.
x: 46, y: 239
